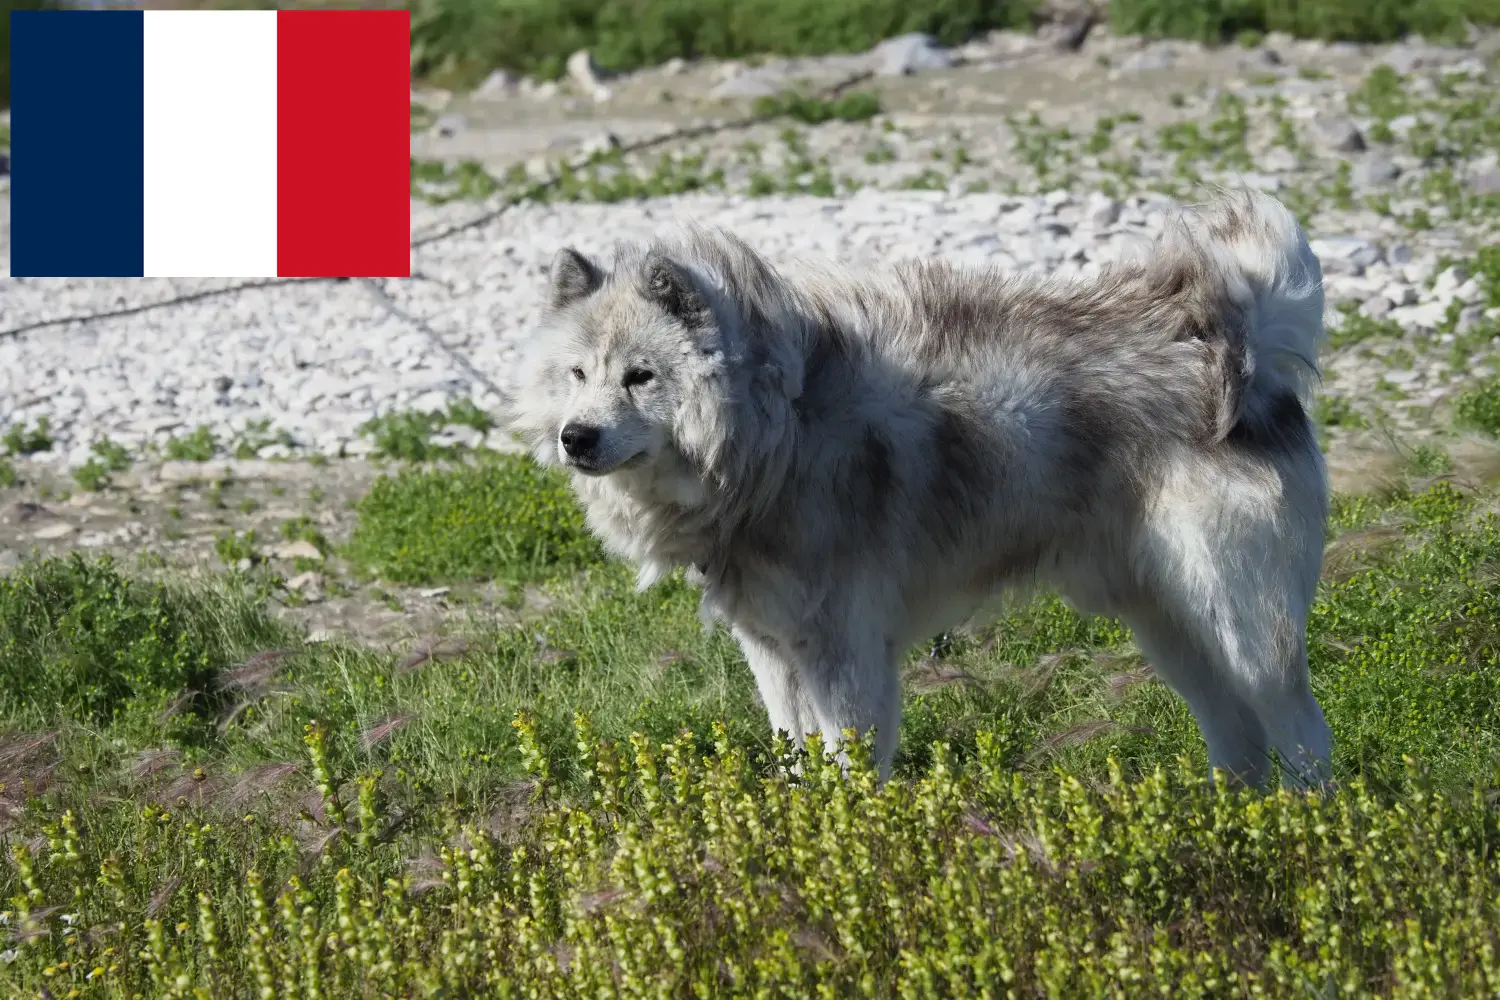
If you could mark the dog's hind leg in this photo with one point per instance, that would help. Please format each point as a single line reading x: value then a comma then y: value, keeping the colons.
x: 1233, y: 564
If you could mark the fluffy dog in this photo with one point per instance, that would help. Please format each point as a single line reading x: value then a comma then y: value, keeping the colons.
x: 849, y: 462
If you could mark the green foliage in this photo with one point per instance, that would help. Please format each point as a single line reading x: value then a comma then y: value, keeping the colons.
x: 197, y: 446
x: 1478, y: 407
x: 108, y: 457
x: 1375, y: 21
x: 81, y: 642
x: 8, y: 476
x: 464, y: 37
x: 21, y: 439
x: 501, y: 517
x: 854, y: 106
x: 234, y: 546
x: 407, y: 435
x: 683, y: 873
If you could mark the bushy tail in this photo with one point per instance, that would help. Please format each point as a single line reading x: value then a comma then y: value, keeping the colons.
x: 1271, y: 272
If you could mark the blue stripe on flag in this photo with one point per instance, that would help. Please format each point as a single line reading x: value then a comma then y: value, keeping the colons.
x: 76, y: 140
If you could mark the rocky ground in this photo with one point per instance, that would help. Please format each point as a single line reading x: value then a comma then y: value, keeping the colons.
x: 1047, y: 152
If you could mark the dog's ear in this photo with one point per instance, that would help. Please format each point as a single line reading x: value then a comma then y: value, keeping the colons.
x: 573, y: 277
x: 671, y: 286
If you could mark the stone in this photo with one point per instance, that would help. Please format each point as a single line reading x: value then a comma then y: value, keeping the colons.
x: 1337, y: 134
x: 177, y: 473
x: 1376, y: 307
x: 747, y: 86
x: 1345, y: 254
x: 584, y: 72
x: 1400, y: 294
x: 431, y: 592
x: 1153, y: 58
x: 1103, y: 211
x: 1485, y: 182
x: 54, y: 531
x: 310, y: 580
x: 673, y: 66
x: 1374, y: 171
x: 449, y: 125
x: 301, y: 548
x: 598, y: 145
x: 499, y: 85
x: 9, y: 560
x: 907, y: 54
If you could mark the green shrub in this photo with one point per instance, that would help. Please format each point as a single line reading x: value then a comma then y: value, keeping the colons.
x: 1479, y: 407
x: 1374, y: 21
x: 464, y: 37
x: 81, y: 642
x: 502, y: 517
x: 21, y: 439
x: 197, y: 446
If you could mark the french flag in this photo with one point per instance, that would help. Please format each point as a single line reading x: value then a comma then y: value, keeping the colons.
x: 219, y: 143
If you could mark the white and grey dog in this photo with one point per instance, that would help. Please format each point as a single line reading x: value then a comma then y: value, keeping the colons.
x: 849, y: 462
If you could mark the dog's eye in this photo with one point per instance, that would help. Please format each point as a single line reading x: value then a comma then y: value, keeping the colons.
x: 637, y: 376
x: 578, y: 374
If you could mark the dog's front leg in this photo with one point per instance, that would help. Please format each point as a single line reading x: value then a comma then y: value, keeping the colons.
x: 779, y: 682
x: 852, y: 682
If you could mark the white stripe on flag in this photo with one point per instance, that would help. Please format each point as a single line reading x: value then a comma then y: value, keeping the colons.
x: 210, y: 131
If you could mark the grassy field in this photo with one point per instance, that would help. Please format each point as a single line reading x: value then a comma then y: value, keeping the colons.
x: 585, y: 799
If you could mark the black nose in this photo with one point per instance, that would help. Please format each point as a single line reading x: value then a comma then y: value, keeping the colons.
x: 578, y: 440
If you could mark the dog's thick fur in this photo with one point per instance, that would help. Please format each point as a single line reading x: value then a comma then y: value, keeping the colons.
x: 849, y: 462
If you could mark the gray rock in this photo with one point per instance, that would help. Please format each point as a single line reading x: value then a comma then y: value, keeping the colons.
x: 584, y: 72
x: 1345, y: 254
x: 1481, y: 182
x: 1374, y: 171
x: 499, y: 85
x: 450, y: 125
x: 747, y: 86
x: 1338, y: 135
x: 1149, y: 59
x: 906, y: 54
x: 1398, y: 254
x: 604, y: 142
x: 1377, y: 307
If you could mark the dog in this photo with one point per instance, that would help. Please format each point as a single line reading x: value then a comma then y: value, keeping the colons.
x: 847, y: 462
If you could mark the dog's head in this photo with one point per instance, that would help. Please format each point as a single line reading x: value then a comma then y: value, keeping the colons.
x: 657, y: 361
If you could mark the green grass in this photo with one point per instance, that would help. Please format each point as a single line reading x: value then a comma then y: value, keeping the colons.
x: 500, y: 517
x: 854, y: 106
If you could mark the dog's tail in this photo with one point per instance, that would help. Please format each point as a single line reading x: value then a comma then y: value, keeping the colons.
x: 1272, y: 278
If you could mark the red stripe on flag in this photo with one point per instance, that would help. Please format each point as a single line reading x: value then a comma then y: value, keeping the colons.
x: 343, y: 136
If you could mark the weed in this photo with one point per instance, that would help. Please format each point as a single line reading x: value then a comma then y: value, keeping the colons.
x: 21, y: 439
x: 197, y: 446
x: 1479, y: 407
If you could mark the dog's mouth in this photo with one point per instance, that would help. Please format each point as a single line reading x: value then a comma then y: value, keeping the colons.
x: 593, y: 468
